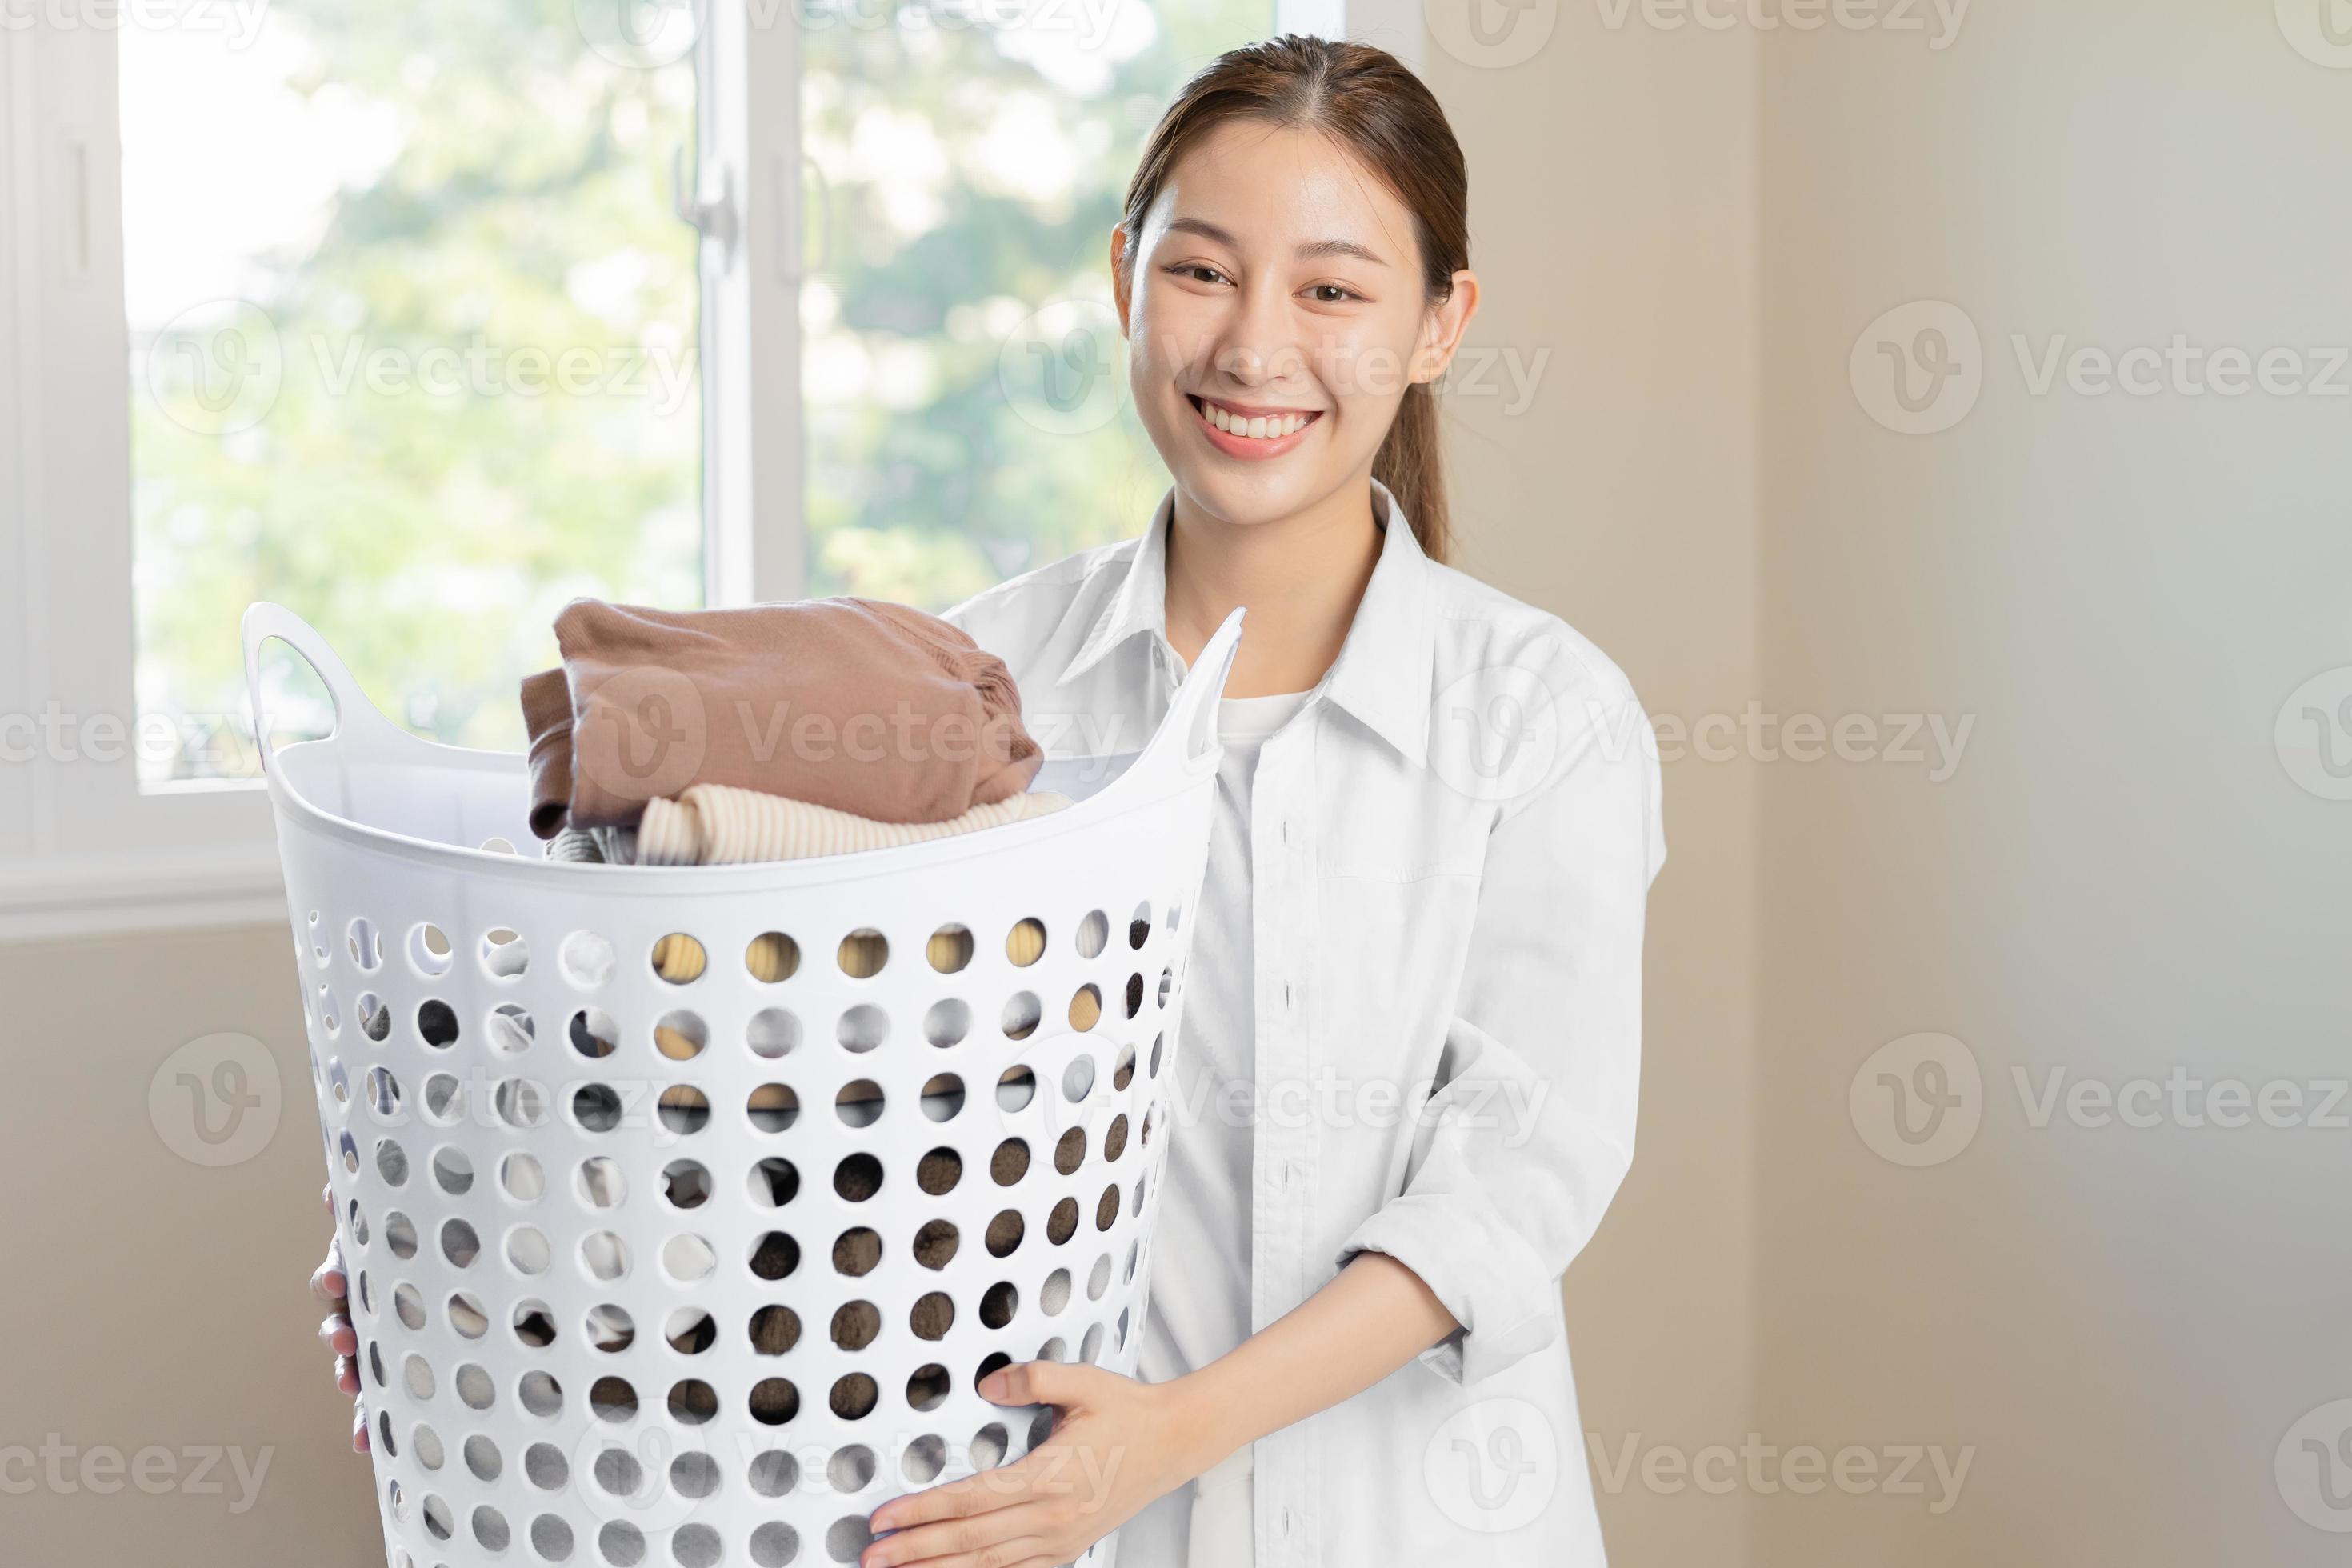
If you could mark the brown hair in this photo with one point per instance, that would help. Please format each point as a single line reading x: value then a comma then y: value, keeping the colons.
x: 1375, y: 108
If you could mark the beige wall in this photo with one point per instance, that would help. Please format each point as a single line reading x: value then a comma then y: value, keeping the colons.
x: 2120, y: 879
x: 145, y: 1302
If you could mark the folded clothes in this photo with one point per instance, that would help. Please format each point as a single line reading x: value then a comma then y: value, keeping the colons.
x: 869, y: 707
x: 717, y: 824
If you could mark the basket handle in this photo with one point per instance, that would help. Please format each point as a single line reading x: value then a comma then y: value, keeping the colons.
x: 1189, y: 733
x: 353, y: 711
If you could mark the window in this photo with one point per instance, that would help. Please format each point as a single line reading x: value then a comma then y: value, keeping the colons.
x: 401, y: 318
x: 412, y: 349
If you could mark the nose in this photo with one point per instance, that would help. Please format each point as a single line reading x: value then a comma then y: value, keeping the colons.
x: 1258, y: 345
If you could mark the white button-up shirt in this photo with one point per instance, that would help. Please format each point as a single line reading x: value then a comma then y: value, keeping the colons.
x: 1452, y: 847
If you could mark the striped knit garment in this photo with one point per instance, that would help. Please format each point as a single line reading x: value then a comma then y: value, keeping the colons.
x: 722, y: 825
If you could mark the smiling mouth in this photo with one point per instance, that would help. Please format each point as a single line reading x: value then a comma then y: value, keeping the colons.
x: 1252, y: 425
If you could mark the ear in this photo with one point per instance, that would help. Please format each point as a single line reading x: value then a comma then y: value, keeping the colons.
x: 1119, y: 276
x: 1444, y: 328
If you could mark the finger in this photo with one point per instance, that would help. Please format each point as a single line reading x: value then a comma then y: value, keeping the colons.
x: 337, y: 1333
x: 328, y: 1193
x: 1041, y: 1382
x: 988, y: 1491
x: 1027, y: 1551
x: 1004, y: 1536
x: 329, y: 1283
x: 359, y: 1427
x: 347, y: 1373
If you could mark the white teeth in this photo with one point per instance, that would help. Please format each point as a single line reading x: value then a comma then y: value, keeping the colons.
x: 1264, y: 428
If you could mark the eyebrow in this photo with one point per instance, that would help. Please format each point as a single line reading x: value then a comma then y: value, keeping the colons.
x: 1314, y: 250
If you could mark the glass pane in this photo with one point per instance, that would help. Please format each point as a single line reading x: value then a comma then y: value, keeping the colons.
x: 964, y: 394
x: 413, y: 349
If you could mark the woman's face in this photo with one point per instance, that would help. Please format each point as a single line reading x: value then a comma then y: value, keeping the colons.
x: 1274, y: 318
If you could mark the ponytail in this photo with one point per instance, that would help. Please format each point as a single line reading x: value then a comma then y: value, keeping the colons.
x: 1409, y: 463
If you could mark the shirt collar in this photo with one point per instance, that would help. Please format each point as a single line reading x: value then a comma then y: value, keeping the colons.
x: 1383, y: 674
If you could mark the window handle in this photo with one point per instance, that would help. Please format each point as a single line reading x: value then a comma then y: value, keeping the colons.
x: 794, y: 217
x: 76, y: 228
x: 714, y: 219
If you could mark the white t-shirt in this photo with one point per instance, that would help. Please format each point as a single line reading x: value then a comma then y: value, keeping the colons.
x: 1204, y: 1206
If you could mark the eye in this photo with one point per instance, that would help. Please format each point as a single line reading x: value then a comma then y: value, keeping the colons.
x: 1197, y: 272
x: 1332, y: 293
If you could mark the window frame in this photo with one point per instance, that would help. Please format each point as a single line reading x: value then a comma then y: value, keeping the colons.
x: 84, y: 848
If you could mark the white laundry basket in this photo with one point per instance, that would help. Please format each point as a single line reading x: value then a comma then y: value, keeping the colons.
x: 939, y: 1195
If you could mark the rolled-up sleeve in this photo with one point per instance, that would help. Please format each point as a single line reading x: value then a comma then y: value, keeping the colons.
x: 1529, y: 1128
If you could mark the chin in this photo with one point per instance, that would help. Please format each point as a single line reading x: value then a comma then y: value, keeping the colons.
x: 1243, y: 499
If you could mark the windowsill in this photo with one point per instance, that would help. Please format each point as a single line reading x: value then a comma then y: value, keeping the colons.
x: 189, y: 889
x: 206, y: 787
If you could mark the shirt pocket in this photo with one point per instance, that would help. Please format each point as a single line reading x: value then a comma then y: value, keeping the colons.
x: 1390, y: 821
x: 1400, y: 860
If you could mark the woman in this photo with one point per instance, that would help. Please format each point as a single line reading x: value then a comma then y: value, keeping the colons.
x: 1407, y: 1082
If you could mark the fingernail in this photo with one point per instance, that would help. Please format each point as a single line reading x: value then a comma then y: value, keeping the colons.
x: 334, y: 1281
x: 996, y: 1385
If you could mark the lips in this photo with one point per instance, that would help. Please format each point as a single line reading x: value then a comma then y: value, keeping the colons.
x: 1255, y: 423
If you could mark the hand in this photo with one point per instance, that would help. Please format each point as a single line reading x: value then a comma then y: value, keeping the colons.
x: 331, y: 1287
x: 1118, y: 1445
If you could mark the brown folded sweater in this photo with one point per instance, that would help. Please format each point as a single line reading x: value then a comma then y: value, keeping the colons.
x: 863, y: 705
